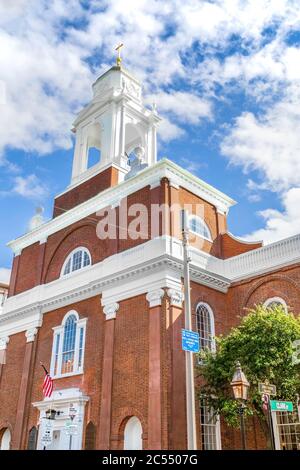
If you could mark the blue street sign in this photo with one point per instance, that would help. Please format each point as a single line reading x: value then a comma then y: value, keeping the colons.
x: 190, y: 341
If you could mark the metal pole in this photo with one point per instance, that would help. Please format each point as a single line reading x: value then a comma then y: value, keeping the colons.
x: 189, y: 360
x: 70, y: 442
x: 243, y: 433
x: 271, y: 425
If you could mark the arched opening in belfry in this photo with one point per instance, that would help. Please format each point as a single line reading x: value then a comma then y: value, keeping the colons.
x: 133, y: 139
x: 93, y: 145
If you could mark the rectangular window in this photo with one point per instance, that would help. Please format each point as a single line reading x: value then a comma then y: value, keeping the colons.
x: 77, y: 260
x: 68, y: 347
x: 210, y: 431
x: 80, y: 348
x: 67, y: 362
x: 288, y: 429
x: 56, y: 355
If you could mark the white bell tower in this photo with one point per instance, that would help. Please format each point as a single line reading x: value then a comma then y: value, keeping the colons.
x: 112, y: 125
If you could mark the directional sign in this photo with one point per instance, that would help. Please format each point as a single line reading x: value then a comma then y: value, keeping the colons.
x: 281, y: 405
x: 190, y: 341
x: 72, y: 411
x: 71, y: 428
x: 266, y: 388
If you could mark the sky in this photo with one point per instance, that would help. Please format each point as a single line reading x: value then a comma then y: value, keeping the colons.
x: 224, y: 74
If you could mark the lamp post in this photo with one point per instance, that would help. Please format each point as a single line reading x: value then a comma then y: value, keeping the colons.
x: 240, y: 387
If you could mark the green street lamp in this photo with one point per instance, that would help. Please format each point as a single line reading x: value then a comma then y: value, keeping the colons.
x: 240, y: 387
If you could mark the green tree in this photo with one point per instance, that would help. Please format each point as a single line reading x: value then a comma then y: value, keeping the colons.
x: 263, y: 345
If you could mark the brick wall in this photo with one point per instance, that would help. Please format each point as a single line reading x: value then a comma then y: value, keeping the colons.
x: 130, y: 377
x: 10, y: 381
x: 86, y: 190
x: 233, y: 247
x: 90, y: 382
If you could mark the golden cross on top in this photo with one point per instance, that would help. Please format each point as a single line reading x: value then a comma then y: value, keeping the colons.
x: 118, y: 48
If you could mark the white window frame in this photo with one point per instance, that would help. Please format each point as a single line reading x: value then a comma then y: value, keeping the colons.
x: 196, y: 217
x: 216, y: 426
x: 278, y: 300
x: 59, y: 330
x: 70, y: 257
x: 211, y: 321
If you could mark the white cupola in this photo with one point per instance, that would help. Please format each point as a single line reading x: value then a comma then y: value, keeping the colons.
x: 112, y: 126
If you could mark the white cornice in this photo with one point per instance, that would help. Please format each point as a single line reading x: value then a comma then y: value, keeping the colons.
x: 90, y: 173
x: 149, y: 176
x: 141, y: 272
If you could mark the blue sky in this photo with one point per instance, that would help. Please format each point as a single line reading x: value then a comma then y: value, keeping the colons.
x: 225, y: 76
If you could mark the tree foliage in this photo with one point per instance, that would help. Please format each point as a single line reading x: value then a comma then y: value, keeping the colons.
x: 263, y: 345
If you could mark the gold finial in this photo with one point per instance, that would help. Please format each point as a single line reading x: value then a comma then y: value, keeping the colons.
x: 118, y: 48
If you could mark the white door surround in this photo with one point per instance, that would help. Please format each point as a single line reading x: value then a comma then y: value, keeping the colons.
x: 61, y: 401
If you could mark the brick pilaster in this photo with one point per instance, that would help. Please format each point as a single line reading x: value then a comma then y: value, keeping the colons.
x: 107, y: 377
x: 154, y: 401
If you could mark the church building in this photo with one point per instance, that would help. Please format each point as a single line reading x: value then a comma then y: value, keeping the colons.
x: 96, y: 293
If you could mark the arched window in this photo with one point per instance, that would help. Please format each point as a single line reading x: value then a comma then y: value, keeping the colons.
x: 32, y: 438
x: 90, y: 436
x: 199, y: 227
x: 274, y: 302
x: 205, y: 326
x: 79, y: 258
x: 5, y: 438
x: 68, y: 346
x: 133, y: 434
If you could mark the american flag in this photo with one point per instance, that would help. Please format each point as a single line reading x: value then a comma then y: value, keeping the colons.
x: 265, y: 400
x: 47, y: 384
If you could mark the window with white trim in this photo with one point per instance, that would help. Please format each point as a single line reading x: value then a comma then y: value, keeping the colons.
x: 274, y: 302
x: 210, y: 427
x: 68, y: 346
x: 205, y: 324
x: 79, y: 258
x: 199, y: 227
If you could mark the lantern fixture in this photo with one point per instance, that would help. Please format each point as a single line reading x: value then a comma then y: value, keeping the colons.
x: 240, y: 384
x: 240, y: 387
x: 50, y: 414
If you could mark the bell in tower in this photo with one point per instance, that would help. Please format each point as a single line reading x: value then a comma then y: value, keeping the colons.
x: 113, y: 125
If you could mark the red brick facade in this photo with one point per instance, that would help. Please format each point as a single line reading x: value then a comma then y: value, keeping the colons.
x: 133, y: 363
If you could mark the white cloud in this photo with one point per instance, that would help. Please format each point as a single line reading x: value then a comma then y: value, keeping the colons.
x: 47, y: 78
x: 29, y: 187
x: 169, y: 131
x: 5, y: 275
x: 278, y: 224
x: 269, y: 143
x: 186, y: 107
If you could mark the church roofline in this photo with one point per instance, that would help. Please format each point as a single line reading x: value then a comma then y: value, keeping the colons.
x: 150, y: 176
x: 117, y: 68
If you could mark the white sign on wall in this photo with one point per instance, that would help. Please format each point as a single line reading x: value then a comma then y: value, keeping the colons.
x: 48, y: 434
